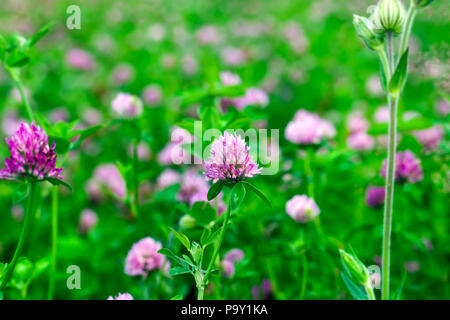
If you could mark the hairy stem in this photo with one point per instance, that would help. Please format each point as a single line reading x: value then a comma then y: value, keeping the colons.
x: 216, y: 252
x: 51, y: 281
x: 25, y: 229
x: 308, y: 172
x: 389, y: 190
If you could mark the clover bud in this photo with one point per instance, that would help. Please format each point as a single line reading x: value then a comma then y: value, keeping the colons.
x: 364, y: 29
x: 422, y: 3
x: 355, y: 268
x: 187, y: 222
x: 389, y: 16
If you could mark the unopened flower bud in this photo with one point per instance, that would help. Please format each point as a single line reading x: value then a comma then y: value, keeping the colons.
x: 364, y: 28
x: 187, y: 222
x: 389, y: 15
x: 422, y: 3
x: 355, y: 268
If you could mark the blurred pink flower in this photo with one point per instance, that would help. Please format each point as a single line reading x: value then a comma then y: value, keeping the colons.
x: 229, y: 78
x: 412, y: 266
x: 442, y: 107
x: 407, y: 167
x: 92, y: 116
x: 308, y: 128
x: 143, y: 152
x: 302, y: 208
x: 375, y: 196
x: 127, y: 105
x: 80, y: 59
x: 357, y: 123
x: 123, y: 73
x: 152, y: 94
x: 192, y: 183
x: 190, y: 65
x: 88, y: 220
x: 107, y: 175
x: 167, y: 178
x: 296, y: 37
x: 233, y: 56
x: 144, y: 257
x: 228, y: 268
x: 382, y: 115
x: 208, y: 35
x: 173, y: 152
x: 122, y: 296
x: 234, y: 255
x: 156, y: 32
x: 430, y: 138
x: 360, y: 141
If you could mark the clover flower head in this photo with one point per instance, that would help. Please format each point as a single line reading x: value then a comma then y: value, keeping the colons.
x: 230, y: 160
x: 430, y: 138
x: 375, y: 196
x: 144, y: 257
x: 228, y: 268
x: 88, y: 220
x: 408, y: 168
x: 302, y: 208
x: 234, y: 255
x: 80, y: 59
x: 127, y: 106
x: 122, y: 296
x: 152, y: 94
x: 31, y: 156
x: 308, y: 128
x: 229, y: 78
x: 167, y: 178
x: 192, y: 184
x: 360, y: 141
x: 356, y: 122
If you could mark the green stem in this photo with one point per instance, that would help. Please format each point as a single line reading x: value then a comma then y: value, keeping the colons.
x: 25, y: 229
x: 215, y: 253
x: 308, y: 172
x: 136, y: 177
x: 370, y: 293
x: 24, y: 99
x: 387, y: 217
x: 51, y: 283
x: 406, y: 32
x: 201, y: 292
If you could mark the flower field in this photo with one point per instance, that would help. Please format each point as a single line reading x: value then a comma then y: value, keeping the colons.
x: 244, y: 150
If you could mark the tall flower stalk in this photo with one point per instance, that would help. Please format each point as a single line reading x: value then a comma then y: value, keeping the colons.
x: 229, y: 165
x: 32, y: 160
x: 378, y: 32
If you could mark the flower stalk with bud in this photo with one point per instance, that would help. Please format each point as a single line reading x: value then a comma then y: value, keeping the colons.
x: 378, y: 32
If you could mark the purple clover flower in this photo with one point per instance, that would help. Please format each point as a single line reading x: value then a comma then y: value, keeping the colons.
x: 408, y: 168
x: 302, y: 208
x: 144, y: 257
x: 230, y: 160
x: 31, y: 155
x: 375, y: 196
